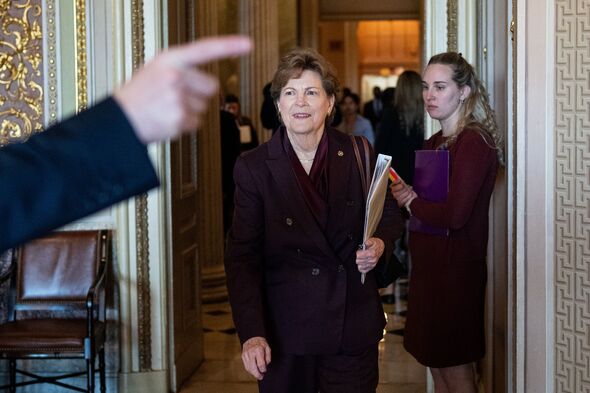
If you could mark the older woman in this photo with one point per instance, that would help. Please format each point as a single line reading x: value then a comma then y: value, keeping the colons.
x: 293, y: 264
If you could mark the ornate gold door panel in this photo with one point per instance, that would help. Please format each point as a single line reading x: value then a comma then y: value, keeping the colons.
x: 21, y: 70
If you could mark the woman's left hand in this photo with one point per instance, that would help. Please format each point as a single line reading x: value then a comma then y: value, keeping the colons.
x: 367, y: 259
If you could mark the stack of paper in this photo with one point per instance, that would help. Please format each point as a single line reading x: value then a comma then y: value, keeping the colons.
x: 376, y: 198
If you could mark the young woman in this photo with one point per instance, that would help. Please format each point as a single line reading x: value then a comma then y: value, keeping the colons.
x: 445, y: 320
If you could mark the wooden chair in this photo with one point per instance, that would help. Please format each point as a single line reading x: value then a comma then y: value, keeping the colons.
x: 63, y: 272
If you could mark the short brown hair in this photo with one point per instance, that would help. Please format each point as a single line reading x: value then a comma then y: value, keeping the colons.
x: 298, y: 60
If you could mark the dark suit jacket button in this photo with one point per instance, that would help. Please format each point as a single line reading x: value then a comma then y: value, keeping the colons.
x: 315, y: 271
x: 340, y: 268
x: 350, y: 237
x: 289, y: 221
x: 349, y: 203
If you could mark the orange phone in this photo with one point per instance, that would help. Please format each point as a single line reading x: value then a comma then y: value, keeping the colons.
x: 393, y: 176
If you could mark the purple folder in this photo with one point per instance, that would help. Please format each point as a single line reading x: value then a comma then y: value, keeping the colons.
x: 431, y: 182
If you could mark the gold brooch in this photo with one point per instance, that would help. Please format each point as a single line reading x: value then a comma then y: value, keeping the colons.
x: 340, y: 153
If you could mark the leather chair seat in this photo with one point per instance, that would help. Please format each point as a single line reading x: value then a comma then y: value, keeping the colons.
x: 46, y: 335
x: 57, y: 309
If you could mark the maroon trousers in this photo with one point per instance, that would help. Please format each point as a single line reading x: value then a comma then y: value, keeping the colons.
x: 341, y: 373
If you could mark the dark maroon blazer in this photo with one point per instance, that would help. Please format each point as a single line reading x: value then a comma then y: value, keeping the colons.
x: 289, y: 281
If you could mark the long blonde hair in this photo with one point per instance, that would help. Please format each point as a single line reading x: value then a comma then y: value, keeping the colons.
x: 476, y: 109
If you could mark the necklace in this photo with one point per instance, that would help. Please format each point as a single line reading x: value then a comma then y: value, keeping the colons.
x: 306, y: 159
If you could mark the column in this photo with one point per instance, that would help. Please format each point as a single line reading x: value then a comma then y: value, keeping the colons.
x: 259, y: 20
x: 211, y: 239
x: 309, y: 35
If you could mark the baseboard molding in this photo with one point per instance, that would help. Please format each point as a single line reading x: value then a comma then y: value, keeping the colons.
x: 147, y: 382
x: 111, y: 384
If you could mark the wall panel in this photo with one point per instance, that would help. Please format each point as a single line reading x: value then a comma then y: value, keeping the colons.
x: 572, y: 197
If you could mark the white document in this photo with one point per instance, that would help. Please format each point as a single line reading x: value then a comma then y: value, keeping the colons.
x: 376, y: 198
x: 245, y: 134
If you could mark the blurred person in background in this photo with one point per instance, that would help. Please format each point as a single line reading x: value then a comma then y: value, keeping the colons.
x: 401, y: 131
x: 353, y: 123
x: 248, y: 134
x: 268, y: 111
x: 373, y: 109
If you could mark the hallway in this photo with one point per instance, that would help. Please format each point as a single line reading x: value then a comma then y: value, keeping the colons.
x: 222, y: 370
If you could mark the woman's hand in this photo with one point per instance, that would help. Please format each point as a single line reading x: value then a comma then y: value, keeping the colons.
x: 402, y: 193
x: 256, y: 356
x: 367, y: 259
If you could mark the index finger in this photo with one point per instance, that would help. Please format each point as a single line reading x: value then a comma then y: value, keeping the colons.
x: 260, y: 361
x: 397, y: 186
x: 267, y: 354
x: 250, y: 364
x: 208, y: 49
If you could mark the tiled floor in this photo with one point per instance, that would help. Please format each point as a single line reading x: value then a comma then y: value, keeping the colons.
x: 222, y: 371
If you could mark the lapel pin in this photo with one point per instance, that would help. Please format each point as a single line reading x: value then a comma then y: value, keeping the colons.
x: 340, y: 153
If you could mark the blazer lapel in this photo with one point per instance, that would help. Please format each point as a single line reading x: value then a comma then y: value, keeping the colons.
x: 280, y: 168
x: 339, y: 159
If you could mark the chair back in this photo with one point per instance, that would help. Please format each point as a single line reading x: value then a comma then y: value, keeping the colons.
x: 59, y: 269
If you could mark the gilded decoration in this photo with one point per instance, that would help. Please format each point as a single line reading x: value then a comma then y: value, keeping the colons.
x: 452, y: 25
x: 21, y: 91
x: 141, y: 217
x: 51, y: 61
x: 81, y: 66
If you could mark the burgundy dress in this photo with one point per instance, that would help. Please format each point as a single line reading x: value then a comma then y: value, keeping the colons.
x: 445, y: 319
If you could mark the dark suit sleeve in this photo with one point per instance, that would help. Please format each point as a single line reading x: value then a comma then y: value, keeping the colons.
x: 385, y: 132
x: 391, y: 227
x: 230, y: 150
x: 244, y: 256
x: 367, y: 109
x: 72, y: 169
